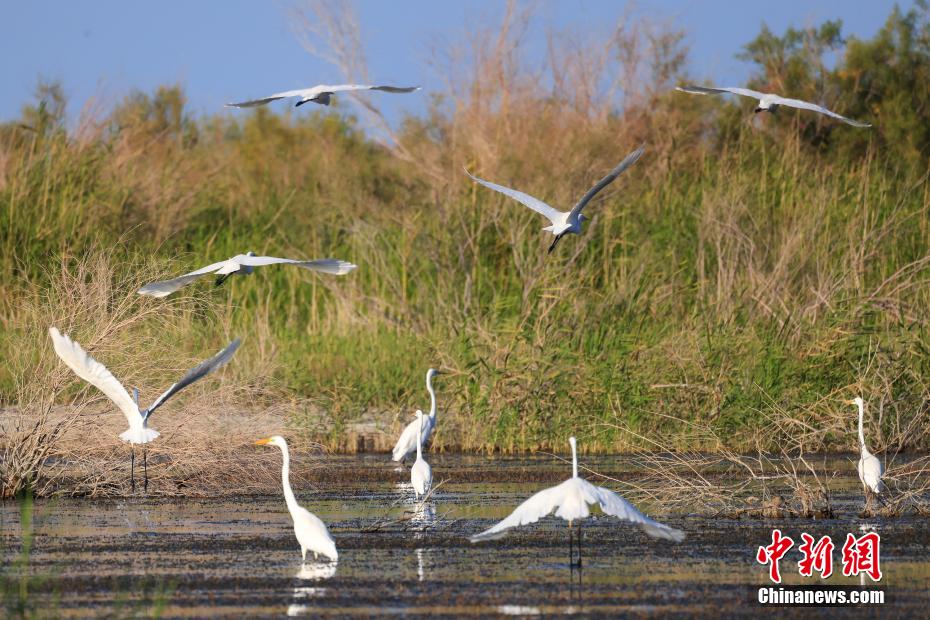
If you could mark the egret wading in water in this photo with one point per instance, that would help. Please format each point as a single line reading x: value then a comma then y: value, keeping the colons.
x: 870, y: 468
x: 563, y: 222
x: 407, y: 442
x: 421, y: 476
x: 570, y: 501
x: 321, y: 94
x: 243, y: 264
x: 770, y: 103
x: 96, y: 374
x: 311, y: 532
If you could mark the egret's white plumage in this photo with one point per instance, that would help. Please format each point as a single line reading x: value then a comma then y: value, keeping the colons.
x: 322, y: 94
x: 243, y: 264
x: 870, y: 468
x: 421, y: 476
x: 311, y: 532
x: 407, y: 442
x: 563, y: 222
x: 769, y: 102
x: 570, y: 501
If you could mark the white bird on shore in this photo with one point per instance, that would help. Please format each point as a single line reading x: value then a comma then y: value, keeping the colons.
x: 321, y: 94
x: 243, y: 264
x: 407, y: 442
x: 96, y: 374
x: 770, y: 103
x: 570, y: 502
x: 870, y: 468
x: 421, y: 476
x: 563, y: 222
x: 311, y: 532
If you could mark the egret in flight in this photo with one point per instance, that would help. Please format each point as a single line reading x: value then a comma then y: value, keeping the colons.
x: 321, y: 94
x: 96, y: 374
x: 421, y: 476
x: 770, y: 103
x: 407, y: 442
x: 570, y: 501
x: 870, y: 468
x: 243, y: 264
x: 563, y: 222
x: 311, y: 532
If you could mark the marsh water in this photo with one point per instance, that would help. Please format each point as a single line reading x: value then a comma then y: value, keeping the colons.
x: 237, y: 556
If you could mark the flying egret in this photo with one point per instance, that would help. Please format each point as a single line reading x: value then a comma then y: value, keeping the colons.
x: 870, y: 468
x: 564, y: 222
x: 96, y: 374
x: 311, y: 532
x: 407, y: 442
x: 570, y: 501
x: 321, y: 94
x: 244, y: 264
x: 770, y: 103
x: 421, y: 476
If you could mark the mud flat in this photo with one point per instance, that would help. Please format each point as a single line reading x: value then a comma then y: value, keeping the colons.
x: 237, y: 555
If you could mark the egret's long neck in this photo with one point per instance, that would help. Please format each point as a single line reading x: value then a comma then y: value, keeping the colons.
x: 419, y: 435
x: 432, y: 397
x: 286, y: 480
x: 574, y: 461
x: 862, y: 447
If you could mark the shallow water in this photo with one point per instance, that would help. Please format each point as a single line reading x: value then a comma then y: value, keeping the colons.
x: 238, y: 556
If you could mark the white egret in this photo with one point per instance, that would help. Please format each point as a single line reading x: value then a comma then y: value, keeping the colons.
x: 321, y: 94
x: 407, y: 442
x: 570, y: 501
x: 311, y: 532
x: 768, y: 102
x: 243, y: 264
x: 870, y: 468
x: 421, y: 476
x: 563, y: 222
x: 96, y: 374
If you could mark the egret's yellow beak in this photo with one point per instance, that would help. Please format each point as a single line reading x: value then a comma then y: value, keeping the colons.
x: 263, y: 442
x: 849, y: 402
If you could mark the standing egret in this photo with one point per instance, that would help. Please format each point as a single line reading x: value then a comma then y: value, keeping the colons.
x: 311, y: 532
x: 768, y: 102
x: 243, y: 264
x: 870, y: 468
x: 96, y: 374
x: 570, y: 501
x: 407, y: 442
x: 421, y: 476
x: 321, y: 94
x: 564, y: 222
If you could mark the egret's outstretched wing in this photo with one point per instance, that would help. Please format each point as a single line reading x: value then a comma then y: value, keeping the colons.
x: 199, y: 371
x: 702, y: 90
x: 325, y: 265
x: 257, y: 102
x: 628, y: 161
x: 388, y: 89
x: 533, y: 203
x: 805, y: 105
x: 532, y: 510
x: 95, y: 373
x: 164, y: 288
x: 615, y: 506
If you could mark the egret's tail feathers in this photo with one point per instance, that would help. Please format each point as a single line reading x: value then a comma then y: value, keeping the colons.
x: 657, y: 530
x: 139, y: 435
x: 879, y: 487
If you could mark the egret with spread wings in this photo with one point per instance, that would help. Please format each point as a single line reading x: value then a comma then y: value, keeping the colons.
x: 570, y: 501
x: 243, y: 264
x: 95, y: 373
x: 321, y: 94
x: 563, y: 222
x: 770, y: 103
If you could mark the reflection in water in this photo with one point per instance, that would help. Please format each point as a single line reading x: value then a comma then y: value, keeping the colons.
x: 314, y: 571
x: 518, y: 610
x: 424, y: 515
x: 421, y: 564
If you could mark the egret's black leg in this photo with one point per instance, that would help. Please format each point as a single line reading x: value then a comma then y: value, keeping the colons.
x: 579, y: 544
x: 132, y: 468
x: 145, y: 467
x: 571, y: 551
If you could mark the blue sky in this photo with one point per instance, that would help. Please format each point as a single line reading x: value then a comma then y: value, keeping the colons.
x: 223, y: 50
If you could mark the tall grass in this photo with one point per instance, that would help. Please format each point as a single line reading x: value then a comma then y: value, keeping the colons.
x: 734, y: 272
